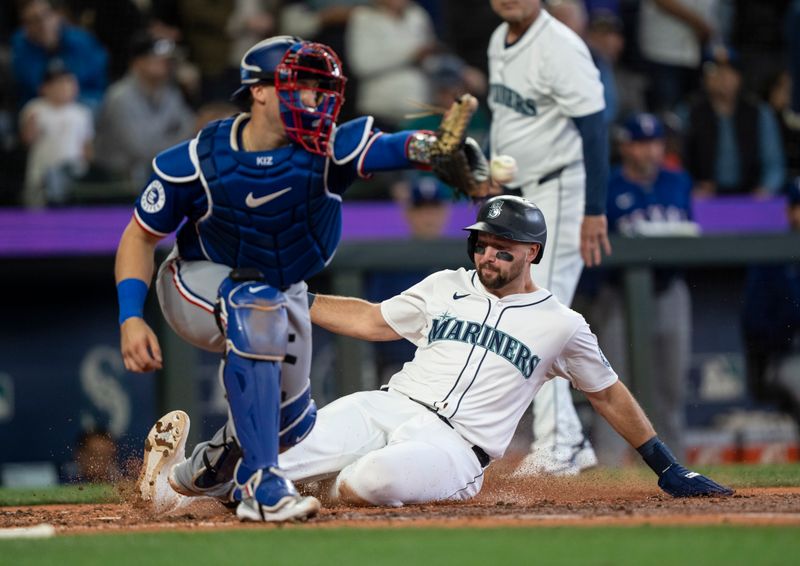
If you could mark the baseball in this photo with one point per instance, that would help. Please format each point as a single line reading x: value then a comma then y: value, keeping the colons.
x: 503, y: 169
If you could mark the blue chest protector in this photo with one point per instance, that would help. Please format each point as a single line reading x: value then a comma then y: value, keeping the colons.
x: 267, y: 210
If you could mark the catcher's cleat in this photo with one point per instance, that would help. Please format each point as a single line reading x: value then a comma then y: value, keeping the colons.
x: 163, y: 448
x: 268, y: 496
x: 209, y: 470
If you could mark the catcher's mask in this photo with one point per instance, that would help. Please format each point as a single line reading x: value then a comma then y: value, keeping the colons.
x: 297, y: 68
x: 510, y: 217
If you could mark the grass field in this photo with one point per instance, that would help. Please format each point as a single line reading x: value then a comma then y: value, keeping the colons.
x: 648, y: 544
x: 407, y: 547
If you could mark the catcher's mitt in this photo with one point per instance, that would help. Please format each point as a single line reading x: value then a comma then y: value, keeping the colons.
x: 454, y: 158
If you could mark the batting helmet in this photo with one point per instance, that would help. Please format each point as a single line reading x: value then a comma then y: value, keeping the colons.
x: 510, y: 217
x: 295, y: 66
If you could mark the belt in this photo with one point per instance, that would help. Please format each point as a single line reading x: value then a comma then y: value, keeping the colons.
x: 483, y: 458
x: 555, y: 174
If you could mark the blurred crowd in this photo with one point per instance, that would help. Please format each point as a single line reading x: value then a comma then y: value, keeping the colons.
x: 91, y: 90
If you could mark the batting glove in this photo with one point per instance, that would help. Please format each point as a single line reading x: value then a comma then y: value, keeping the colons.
x: 674, y: 478
x: 680, y: 482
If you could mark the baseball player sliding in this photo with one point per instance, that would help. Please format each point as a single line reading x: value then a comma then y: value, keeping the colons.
x: 487, y: 339
x: 547, y: 114
x: 260, y: 194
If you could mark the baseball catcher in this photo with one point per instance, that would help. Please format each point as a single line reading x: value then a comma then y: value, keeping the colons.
x: 256, y: 201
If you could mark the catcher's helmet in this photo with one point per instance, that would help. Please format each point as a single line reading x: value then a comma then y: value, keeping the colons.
x: 295, y: 66
x: 510, y: 217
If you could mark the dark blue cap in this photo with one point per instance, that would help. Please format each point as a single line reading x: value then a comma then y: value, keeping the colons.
x: 426, y: 189
x: 642, y: 127
x: 721, y: 54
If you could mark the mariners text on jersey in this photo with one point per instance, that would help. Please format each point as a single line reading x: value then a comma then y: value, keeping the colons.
x: 487, y: 337
x: 501, y: 94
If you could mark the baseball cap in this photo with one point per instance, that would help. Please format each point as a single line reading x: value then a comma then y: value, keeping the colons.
x: 642, y: 127
x: 429, y: 190
x: 445, y: 70
x: 605, y: 20
x: 56, y: 68
x: 144, y: 44
x: 720, y: 54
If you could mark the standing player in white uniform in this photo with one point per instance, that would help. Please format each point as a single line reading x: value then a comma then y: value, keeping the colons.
x: 487, y: 340
x: 547, y: 113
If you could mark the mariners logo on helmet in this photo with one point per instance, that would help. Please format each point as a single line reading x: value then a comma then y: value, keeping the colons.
x: 510, y: 217
x: 495, y: 209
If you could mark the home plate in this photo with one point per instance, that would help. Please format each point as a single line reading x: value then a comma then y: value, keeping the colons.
x: 39, y: 531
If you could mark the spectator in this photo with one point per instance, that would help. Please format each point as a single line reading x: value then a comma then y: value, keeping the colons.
x: 250, y: 22
x: 143, y: 114
x: 449, y: 78
x: 45, y: 37
x: 214, y: 111
x: 646, y: 199
x: 672, y: 34
x: 756, y: 32
x: 387, y: 43
x: 426, y: 203
x: 606, y: 42
x: 113, y: 23
x: 770, y: 323
x: 468, y: 26
x: 793, y: 31
x: 201, y: 26
x: 319, y: 20
x: 59, y: 131
x: 324, y: 21
x: 733, y: 144
x: 778, y: 95
x: 571, y: 13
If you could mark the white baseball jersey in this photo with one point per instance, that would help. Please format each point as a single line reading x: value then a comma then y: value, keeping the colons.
x: 481, y: 359
x: 536, y: 85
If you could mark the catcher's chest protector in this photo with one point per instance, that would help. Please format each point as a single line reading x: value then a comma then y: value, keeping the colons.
x: 268, y: 210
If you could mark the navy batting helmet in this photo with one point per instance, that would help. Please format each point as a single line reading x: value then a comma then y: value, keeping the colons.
x: 510, y: 217
x: 295, y: 66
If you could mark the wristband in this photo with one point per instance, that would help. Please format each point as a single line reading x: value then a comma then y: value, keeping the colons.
x: 311, y: 297
x: 131, y: 294
x: 656, y: 455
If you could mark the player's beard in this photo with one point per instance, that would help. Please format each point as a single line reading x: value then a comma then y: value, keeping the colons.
x: 493, y: 278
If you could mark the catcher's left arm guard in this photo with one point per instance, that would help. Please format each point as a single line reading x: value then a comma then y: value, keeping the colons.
x: 452, y: 156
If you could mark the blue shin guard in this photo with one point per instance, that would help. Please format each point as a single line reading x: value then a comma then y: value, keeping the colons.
x: 254, y: 393
x: 256, y: 331
x: 298, y: 416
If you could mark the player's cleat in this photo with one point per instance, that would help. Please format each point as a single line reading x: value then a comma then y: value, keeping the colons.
x: 268, y: 496
x: 164, y: 447
x: 197, y: 476
x: 560, y: 462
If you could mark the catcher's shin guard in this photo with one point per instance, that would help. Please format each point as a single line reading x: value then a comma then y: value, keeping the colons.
x: 298, y: 416
x: 256, y: 329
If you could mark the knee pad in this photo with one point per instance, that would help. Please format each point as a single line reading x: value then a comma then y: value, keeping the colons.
x: 253, y: 316
x: 298, y: 416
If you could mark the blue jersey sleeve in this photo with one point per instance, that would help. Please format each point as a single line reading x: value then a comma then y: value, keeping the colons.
x: 163, y: 205
x: 359, y: 150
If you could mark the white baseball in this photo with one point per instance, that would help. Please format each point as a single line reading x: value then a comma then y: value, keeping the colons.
x: 503, y: 169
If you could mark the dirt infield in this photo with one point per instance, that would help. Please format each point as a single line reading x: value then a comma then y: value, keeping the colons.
x: 589, y: 500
